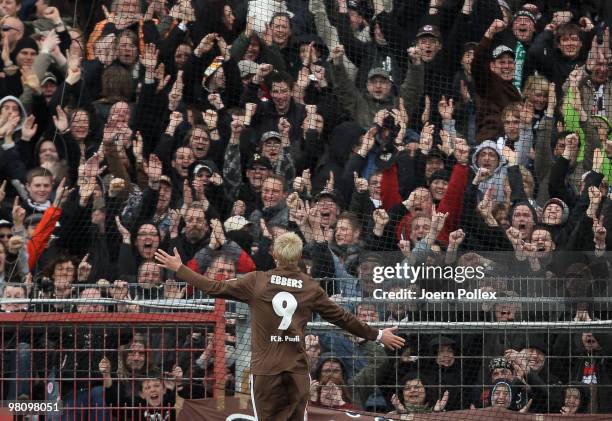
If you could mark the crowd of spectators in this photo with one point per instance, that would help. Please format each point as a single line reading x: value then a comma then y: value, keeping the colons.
x: 451, y: 133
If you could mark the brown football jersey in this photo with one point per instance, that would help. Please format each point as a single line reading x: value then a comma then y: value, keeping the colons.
x: 282, y: 302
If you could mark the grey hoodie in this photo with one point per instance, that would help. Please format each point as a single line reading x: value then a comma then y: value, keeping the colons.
x: 499, y: 175
x: 24, y: 113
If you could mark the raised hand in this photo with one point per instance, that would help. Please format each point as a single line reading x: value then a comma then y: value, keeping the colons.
x: 263, y: 70
x: 415, y: 54
x: 173, y: 291
x: 162, y: 78
x: 446, y: 108
x: 183, y: 11
x: 215, y: 101
x: 330, y: 184
x: 361, y: 184
x: 461, y: 151
x: 437, y: 221
x: 29, y: 79
x: 239, y: 208
x: 104, y: 366
x: 29, y: 128
x: 210, y: 118
x: 426, y: 116
x: 149, y: 58
x: 50, y: 42
x: 594, y: 195
x: 84, y: 269
x: 426, y: 139
x: 598, y: 160
x: 441, y: 403
x: 599, y: 233
x: 496, y: 27
x: 15, y: 244
x: 485, y: 207
x: 404, y: 246
x: 216, y: 179
x: 2, y: 191
x: 125, y: 234
x: 237, y: 126
x: 514, y: 235
x: 176, y: 92
x: 481, y: 175
x: 455, y: 238
x: 510, y: 156
x: 250, y: 109
x: 397, y: 404
x: 116, y: 186
x: 61, y: 120
x: 337, y: 54
x: 367, y: 142
x: 92, y: 167
x: 447, y: 142
x: 380, y: 216
x: 552, y: 100
x: 61, y: 194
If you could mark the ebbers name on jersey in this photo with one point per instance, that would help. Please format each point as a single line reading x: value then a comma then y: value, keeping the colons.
x: 277, y: 338
x: 286, y: 282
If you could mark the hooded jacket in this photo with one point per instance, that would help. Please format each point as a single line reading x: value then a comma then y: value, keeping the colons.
x: 499, y: 174
x: 450, y: 378
x: 24, y: 113
x: 518, y: 394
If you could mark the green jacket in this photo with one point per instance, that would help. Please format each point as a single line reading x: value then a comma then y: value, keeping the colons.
x: 363, y: 107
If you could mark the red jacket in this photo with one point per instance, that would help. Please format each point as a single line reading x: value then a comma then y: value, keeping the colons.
x: 41, y: 234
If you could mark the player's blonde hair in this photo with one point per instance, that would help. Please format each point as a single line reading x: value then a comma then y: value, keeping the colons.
x: 288, y: 249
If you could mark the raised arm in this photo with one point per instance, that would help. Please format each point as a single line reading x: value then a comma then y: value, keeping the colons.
x: 236, y: 289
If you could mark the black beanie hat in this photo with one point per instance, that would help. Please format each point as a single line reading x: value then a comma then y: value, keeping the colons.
x: 24, y: 43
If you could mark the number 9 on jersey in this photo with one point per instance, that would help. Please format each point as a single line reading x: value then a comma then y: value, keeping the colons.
x: 284, y: 305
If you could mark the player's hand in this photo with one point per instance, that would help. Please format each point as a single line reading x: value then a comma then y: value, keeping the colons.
x: 389, y: 339
x: 171, y: 262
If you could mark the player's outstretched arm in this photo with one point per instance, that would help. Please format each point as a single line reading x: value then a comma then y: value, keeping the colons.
x: 390, y: 340
x: 167, y: 261
x: 240, y: 290
x: 334, y: 313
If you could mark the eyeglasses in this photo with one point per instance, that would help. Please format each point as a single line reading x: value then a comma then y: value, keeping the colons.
x: 272, y: 144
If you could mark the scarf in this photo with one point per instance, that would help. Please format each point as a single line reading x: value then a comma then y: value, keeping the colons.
x: 519, y: 59
x: 39, y: 207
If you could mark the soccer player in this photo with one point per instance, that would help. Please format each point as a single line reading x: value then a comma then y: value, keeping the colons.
x: 282, y: 301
